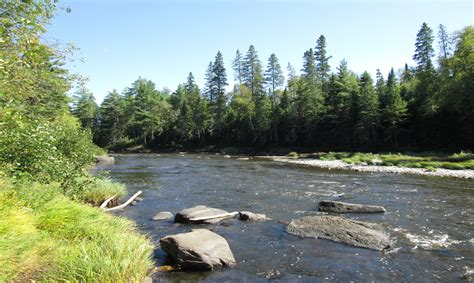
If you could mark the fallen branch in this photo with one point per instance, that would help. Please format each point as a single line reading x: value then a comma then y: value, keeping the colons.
x: 126, y: 203
x: 223, y: 215
x: 106, y: 202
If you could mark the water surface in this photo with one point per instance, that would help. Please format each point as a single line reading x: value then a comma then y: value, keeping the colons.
x: 431, y: 218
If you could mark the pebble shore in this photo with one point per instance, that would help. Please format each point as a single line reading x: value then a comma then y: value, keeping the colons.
x: 338, y: 164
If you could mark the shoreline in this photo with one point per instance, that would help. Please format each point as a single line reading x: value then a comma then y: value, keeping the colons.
x: 339, y: 164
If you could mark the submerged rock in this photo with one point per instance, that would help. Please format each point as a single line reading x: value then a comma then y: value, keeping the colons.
x: 104, y: 159
x: 163, y: 215
x: 246, y: 215
x: 199, y: 249
x: 202, y: 214
x: 339, y: 229
x: 343, y: 207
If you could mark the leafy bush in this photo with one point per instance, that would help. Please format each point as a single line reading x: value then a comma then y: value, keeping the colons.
x: 48, y: 151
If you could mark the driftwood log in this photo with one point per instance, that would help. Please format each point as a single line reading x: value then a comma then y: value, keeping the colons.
x: 106, y: 202
x: 124, y: 204
x: 223, y: 215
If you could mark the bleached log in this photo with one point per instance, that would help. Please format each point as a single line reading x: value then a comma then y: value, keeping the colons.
x: 223, y: 215
x: 126, y: 203
x: 106, y: 202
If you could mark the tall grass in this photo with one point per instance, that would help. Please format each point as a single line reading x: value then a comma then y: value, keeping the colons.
x: 46, y: 236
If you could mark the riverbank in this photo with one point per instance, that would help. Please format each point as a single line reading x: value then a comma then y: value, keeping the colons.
x: 341, y: 165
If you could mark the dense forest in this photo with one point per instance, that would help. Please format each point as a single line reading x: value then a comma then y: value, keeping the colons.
x: 427, y: 106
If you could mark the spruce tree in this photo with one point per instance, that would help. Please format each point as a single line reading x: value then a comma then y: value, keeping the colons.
x: 368, y: 111
x: 219, y: 82
x: 322, y: 60
x: 424, y: 48
x: 237, y: 66
x: 252, y: 72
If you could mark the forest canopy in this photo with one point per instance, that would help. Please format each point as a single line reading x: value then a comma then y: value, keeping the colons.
x: 427, y: 106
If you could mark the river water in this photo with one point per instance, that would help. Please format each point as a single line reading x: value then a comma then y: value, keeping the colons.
x: 431, y: 218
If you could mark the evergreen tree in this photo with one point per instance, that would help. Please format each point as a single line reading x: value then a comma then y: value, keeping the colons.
x: 219, y: 82
x: 309, y: 67
x: 112, y: 126
x: 368, y: 111
x: 274, y: 76
x: 252, y: 72
x: 424, y: 48
x: 322, y: 60
x: 444, y: 43
x: 237, y: 66
x: 393, y: 111
x: 85, y: 108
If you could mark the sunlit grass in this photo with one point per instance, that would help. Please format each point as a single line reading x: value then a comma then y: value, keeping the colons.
x: 48, y: 237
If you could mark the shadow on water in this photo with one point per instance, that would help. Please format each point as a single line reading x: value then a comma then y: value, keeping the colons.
x: 431, y: 218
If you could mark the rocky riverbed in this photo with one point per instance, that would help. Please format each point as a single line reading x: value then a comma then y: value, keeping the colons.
x: 430, y: 218
x: 341, y: 165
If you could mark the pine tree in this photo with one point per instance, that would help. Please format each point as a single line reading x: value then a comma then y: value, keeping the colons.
x: 444, y: 43
x: 309, y: 67
x: 424, y: 48
x: 274, y: 76
x: 322, y: 60
x: 112, y: 120
x: 85, y: 108
x: 394, y: 110
x: 368, y: 111
x: 291, y: 72
x: 237, y: 66
x: 252, y: 73
x: 218, y: 84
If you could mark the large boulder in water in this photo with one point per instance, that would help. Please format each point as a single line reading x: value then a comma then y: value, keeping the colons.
x: 199, y: 249
x: 202, y: 214
x: 339, y: 229
x: 343, y: 207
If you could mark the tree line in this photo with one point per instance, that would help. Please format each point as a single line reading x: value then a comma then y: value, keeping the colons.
x: 427, y: 106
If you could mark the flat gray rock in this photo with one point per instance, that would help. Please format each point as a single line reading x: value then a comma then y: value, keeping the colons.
x: 339, y: 229
x: 250, y: 216
x: 163, y: 215
x: 343, y: 207
x: 104, y: 159
x: 201, y: 214
x: 199, y: 249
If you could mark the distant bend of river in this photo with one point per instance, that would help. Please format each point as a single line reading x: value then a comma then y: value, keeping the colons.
x: 431, y: 218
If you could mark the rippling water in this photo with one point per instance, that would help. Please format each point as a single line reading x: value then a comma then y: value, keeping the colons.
x: 431, y: 218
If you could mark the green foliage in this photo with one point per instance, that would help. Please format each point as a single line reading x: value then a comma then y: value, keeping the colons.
x: 47, y: 151
x: 44, y: 155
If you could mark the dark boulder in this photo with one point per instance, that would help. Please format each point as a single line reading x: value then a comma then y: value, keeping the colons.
x: 199, y: 249
x: 343, y: 207
x: 339, y: 229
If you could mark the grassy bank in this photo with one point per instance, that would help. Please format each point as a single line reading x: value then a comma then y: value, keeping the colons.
x: 47, y: 236
x: 430, y: 161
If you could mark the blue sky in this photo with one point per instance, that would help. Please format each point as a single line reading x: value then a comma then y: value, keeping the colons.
x: 165, y: 40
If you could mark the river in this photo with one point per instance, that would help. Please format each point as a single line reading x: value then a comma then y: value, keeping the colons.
x: 431, y: 218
